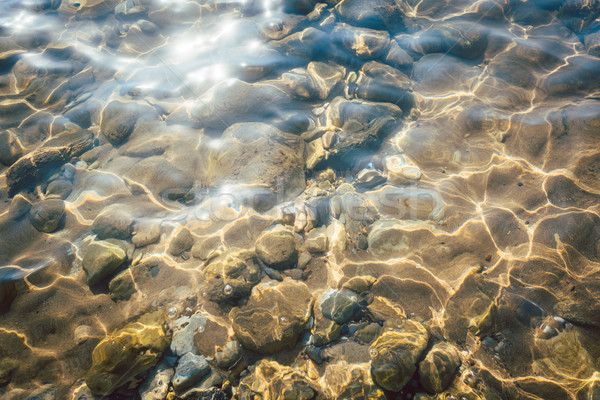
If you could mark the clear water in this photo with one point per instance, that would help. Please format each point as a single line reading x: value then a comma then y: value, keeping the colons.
x: 448, y: 149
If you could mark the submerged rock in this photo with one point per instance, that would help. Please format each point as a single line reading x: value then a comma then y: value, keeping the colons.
x: 394, y: 355
x: 260, y: 154
x: 156, y: 385
x: 364, y: 43
x: 101, y: 260
x: 127, y: 352
x: 373, y: 14
x: 118, y: 120
x: 338, y: 305
x: 277, y: 248
x: 161, y: 177
x: 230, y: 276
x: 439, y: 367
x: 182, y: 241
x: 271, y: 380
x: 113, y: 223
x: 273, y: 317
x: 45, y: 216
x: 190, y: 369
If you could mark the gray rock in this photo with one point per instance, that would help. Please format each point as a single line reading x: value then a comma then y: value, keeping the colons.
x: 190, y: 370
x: 156, y: 385
x: 373, y: 14
x: 59, y: 189
x: 277, y: 248
x: 338, y: 305
x: 118, y: 121
x: 184, y: 330
x: 45, y: 216
x: 182, y: 241
x: 101, y: 260
x: 229, y: 355
x: 113, y: 223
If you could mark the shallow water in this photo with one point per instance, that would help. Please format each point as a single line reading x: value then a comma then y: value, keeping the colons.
x: 202, y: 177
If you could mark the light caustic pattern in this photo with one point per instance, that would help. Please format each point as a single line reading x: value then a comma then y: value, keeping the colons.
x: 448, y: 150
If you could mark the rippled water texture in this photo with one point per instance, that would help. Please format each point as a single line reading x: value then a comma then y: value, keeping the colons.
x: 355, y: 199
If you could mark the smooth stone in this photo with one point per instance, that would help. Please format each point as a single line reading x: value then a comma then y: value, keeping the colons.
x: 184, y: 329
x: 364, y: 43
x: 325, y: 331
x: 230, y: 277
x: 394, y: 355
x: 45, y: 216
x: 230, y: 354
x: 273, y: 317
x: 101, y: 260
x: 161, y: 177
x: 122, y: 286
x: 439, y: 367
x: 145, y: 232
x: 315, y: 82
x: 463, y: 39
x: 338, y: 305
x: 191, y: 368
x: 60, y: 188
x: 397, y: 57
x: 182, y: 241
x: 369, y: 333
x: 373, y: 14
x: 317, y: 244
x: 156, y: 385
x: 380, y: 82
x: 277, y: 248
x: 117, y: 359
x: 383, y: 309
x: 113, y: 223
x: 118, y: 121
x: 359, y: 284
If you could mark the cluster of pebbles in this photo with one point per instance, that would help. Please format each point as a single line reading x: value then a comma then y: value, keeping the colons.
x: 354, y: 199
